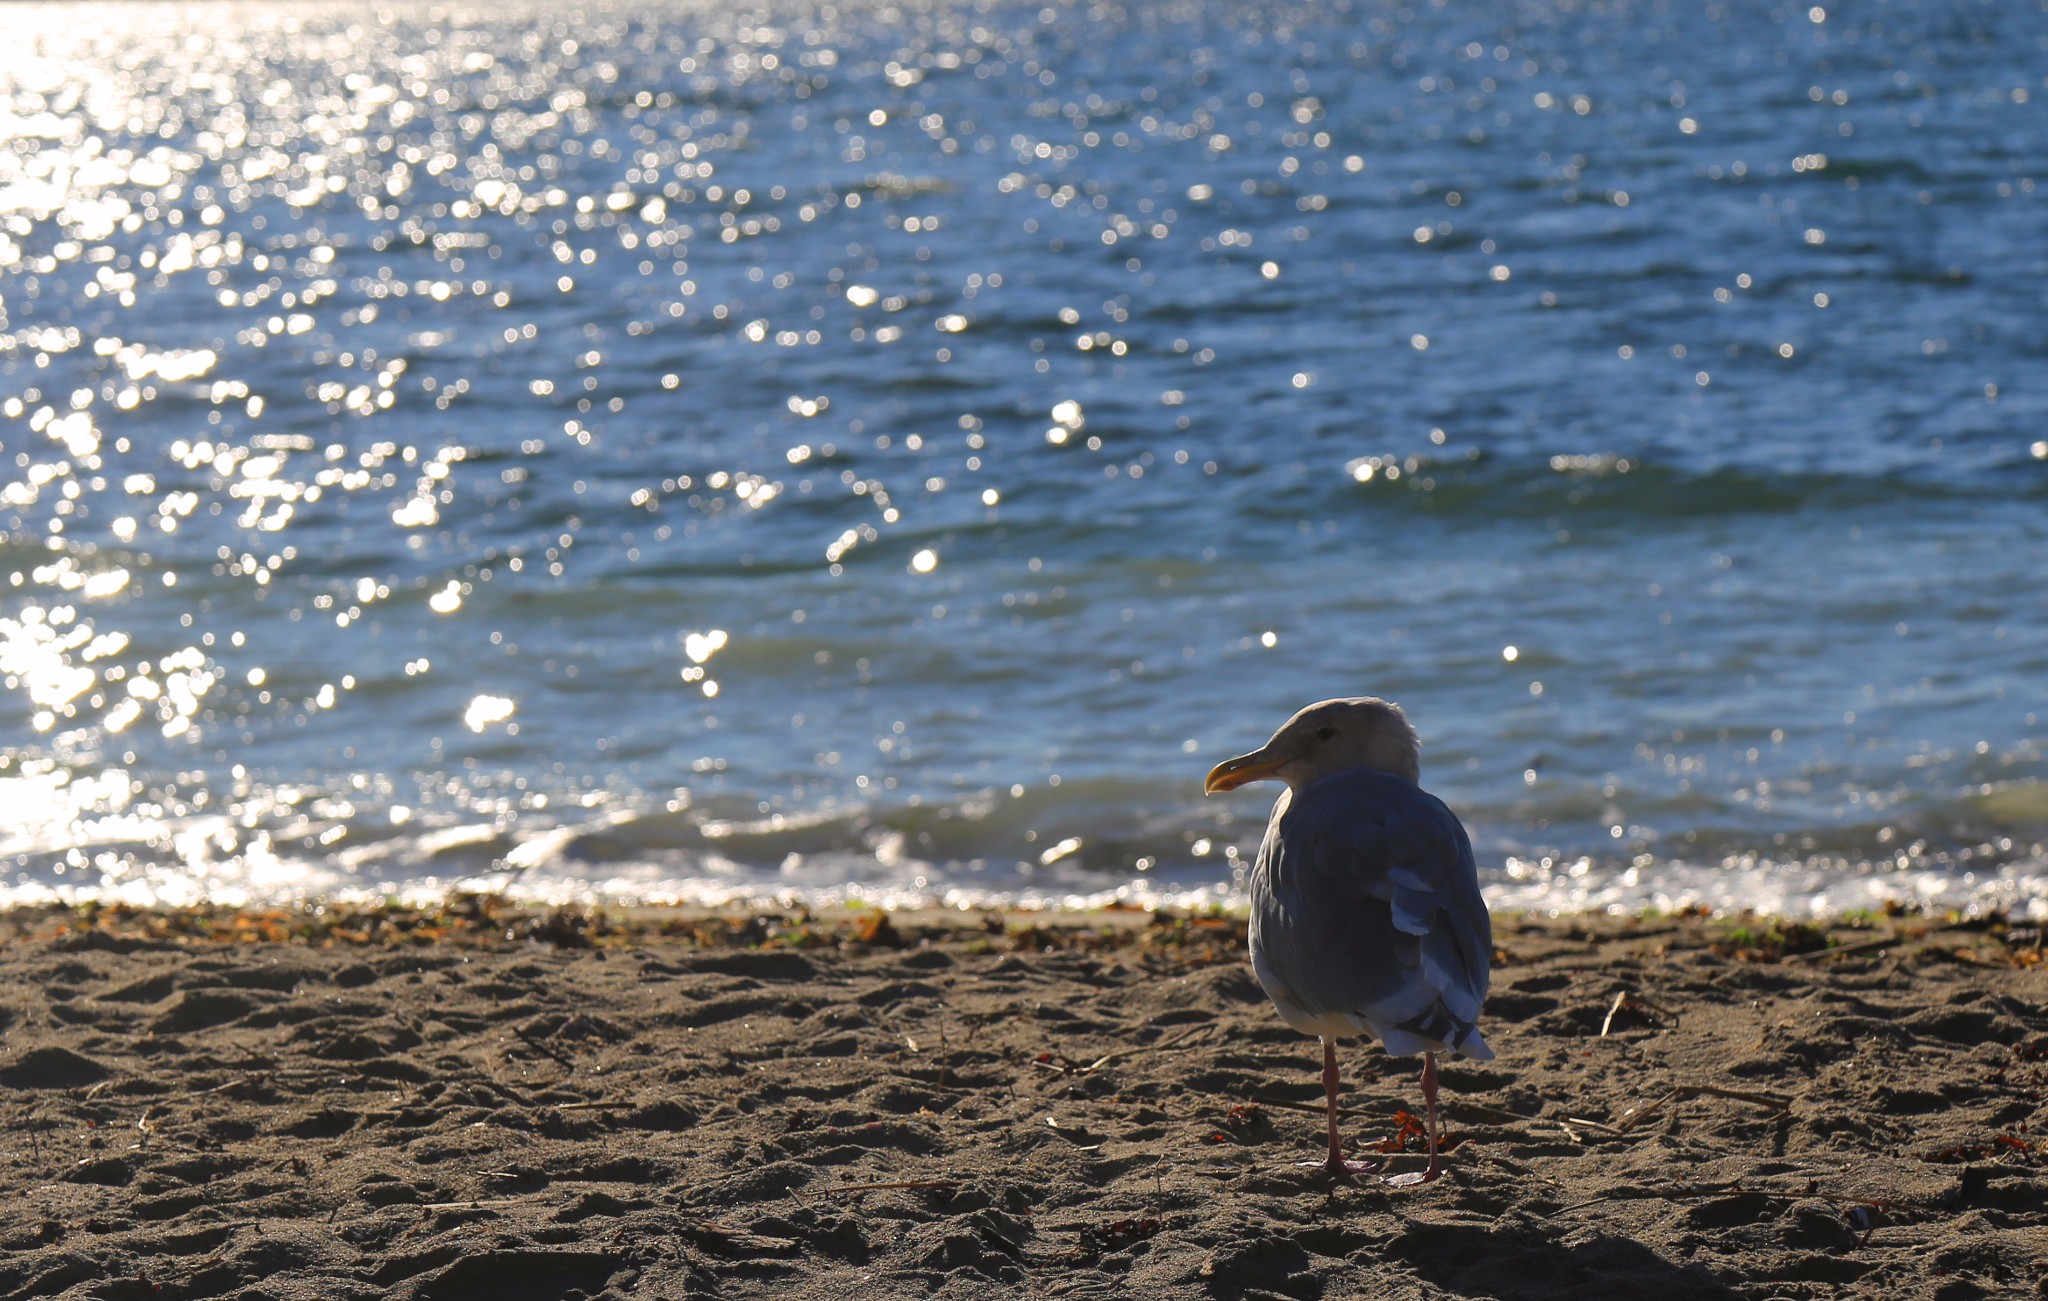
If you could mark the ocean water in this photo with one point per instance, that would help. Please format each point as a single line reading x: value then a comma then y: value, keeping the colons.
x: 891, y: 451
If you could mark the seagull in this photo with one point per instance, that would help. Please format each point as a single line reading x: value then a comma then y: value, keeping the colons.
x: 1366, y: 911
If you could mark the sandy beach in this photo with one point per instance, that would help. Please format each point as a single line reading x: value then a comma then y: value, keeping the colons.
x: 481, y: 1102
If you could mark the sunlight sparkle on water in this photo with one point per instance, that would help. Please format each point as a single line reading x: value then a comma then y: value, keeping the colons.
x: 989, y: 380
x: 484, y: 710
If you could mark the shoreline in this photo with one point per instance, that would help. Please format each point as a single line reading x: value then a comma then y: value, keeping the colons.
x: 478, y: 1100
x: 1993, y: 937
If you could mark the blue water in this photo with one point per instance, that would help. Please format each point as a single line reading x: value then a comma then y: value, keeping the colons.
x: 893, y: 451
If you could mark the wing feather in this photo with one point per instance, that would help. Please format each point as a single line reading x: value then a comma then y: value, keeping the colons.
x: 1366, y: 906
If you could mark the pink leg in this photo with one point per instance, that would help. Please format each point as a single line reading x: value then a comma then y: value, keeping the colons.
x: 1335, y: 1162
x: 1330, y: 1100
x: 1435, y: 1130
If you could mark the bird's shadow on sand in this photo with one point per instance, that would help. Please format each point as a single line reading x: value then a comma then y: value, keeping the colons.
x: 1506, y: 1263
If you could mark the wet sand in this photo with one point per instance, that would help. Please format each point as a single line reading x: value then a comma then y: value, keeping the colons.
x: 484, y: 1103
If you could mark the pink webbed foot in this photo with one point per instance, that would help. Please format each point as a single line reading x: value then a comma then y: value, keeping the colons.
x: 1432, y: 1129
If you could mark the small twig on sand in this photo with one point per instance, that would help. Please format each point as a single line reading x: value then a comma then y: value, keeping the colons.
x: 1484, y: 1115
x: 584, y: 1106
x: 1315, y: 1107
x: 1572, y: 1124
x: 1607, y: 1022
x: 721, y: 1236
x: 1078, y: 1135
x: 844, y: 1190
x: 1064, y: 1064
x: 473, y: 1205
x: 542, y: 1046
x: 1178, y: 1044
x: 1630, y: 999
x: 499, y: 1086
x: 1650, y: 1194
x: 1836, y: 951
x: 1637, y: 1115
x: 1733, y: 1188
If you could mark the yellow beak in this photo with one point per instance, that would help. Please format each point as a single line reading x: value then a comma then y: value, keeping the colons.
x: 1233, y: 773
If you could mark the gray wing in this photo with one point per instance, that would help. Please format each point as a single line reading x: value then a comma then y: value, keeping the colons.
x: 1366, y: 902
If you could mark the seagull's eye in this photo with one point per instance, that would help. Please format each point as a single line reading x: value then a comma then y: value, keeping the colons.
x: 1325, y: 733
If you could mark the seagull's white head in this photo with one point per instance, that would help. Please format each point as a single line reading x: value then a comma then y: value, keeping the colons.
x: 1363, y: 732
